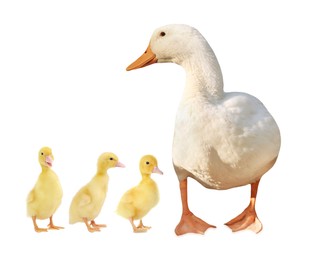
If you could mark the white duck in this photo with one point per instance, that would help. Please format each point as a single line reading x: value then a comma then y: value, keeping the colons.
x: 222, y: 140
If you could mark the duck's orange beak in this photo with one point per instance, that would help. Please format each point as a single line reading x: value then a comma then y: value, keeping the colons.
x: 146, y: 59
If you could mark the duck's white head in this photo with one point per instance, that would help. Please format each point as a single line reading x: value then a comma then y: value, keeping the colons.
x: 169, y: 43
x: 185, y: 46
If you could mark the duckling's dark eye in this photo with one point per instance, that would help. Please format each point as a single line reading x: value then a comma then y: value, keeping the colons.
x: 162, y: 34
x: 111, y: 158
x: 147, y: 162
x: 42, y: 153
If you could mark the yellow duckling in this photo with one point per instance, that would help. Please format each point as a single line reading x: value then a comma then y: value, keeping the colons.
x: 45, y: 198
x: 138, y: 201
x: 88, y: 201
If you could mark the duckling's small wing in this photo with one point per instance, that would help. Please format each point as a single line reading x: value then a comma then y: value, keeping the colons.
x: 31, y: 203
x: 126, y: 207
x: 30, y: 196
x: 84, y: 200
x: 127, y: 197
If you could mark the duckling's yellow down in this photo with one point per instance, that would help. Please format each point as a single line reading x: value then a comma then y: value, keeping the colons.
x: 45, y: 198
x: 139, y: 200
x: 88, y: 201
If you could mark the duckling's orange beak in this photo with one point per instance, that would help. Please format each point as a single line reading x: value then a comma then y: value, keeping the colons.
x: 147, y: 58
x: 157, y: 170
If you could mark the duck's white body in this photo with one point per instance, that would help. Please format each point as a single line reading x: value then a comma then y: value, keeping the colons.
x: 227, y: 142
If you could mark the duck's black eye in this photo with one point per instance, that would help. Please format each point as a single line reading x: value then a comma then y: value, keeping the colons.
x: 162, y: 34
x: 42, y: 153
x: 147, y: 162
x: 111, y: 158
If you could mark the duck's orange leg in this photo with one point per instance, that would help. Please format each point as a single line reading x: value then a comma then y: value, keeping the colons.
x: 36, y: 228
x: 248, y: 218
x: 189, y: 223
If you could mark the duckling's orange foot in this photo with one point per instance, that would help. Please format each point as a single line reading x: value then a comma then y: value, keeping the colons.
x: 52, y: 226
x: 144, y: 227
x: 93, y: 229
x: 95, y: 225
x: 247, y: 220
x: 141, y: 225
x: 189, y: 223
x: 39, y: 230
x: 140, y: 229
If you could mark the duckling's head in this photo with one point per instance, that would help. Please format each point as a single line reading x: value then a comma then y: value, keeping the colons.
x: 108, y: 160
x: 148, y: 165
x: 171, y: 43
x: 46, y: 157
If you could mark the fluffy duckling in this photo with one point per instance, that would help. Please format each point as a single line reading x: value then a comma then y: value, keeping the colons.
x: 45, y: 198
x: 138, y: 201
x: 88, y: 201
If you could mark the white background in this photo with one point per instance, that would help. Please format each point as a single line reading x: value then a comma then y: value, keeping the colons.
x: 63, y: 84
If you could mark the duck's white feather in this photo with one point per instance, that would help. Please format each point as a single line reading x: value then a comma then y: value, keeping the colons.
x: 225, y: 143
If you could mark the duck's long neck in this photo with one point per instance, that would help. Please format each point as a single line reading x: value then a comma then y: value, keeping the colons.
x: 203, y: 75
